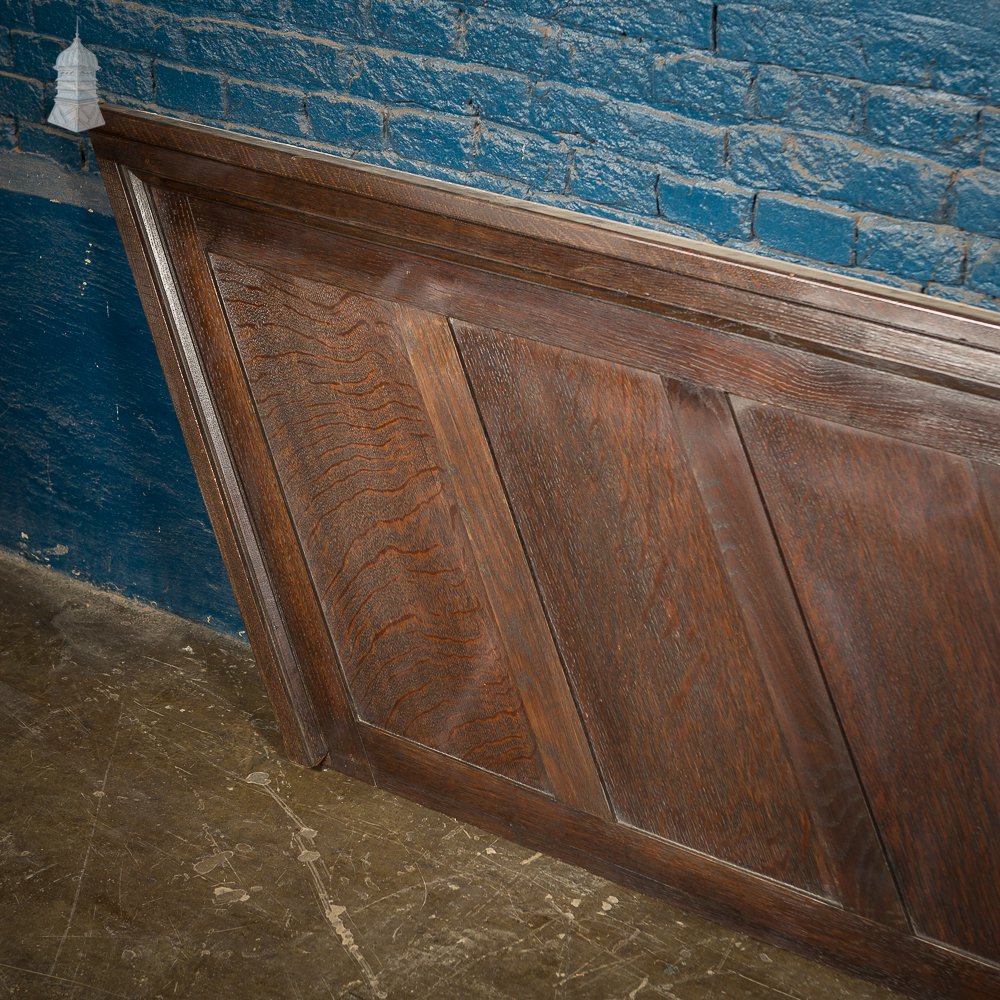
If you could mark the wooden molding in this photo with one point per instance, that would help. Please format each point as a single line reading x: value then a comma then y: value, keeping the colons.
x: 681, y: 564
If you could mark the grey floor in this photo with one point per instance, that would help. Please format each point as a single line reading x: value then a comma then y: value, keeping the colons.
x: 154, y: 842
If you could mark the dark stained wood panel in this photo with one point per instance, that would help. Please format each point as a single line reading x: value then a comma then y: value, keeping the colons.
x: 852, y: 855
x: 630, y: 572
x: 376, y: 517
x: 767, y: 370
x: 531, y: 652
x: 307, y: 663
x: 897, y: 564
x: 689, y: 637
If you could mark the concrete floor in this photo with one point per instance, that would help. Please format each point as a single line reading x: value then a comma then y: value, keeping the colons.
x: 154, y: 842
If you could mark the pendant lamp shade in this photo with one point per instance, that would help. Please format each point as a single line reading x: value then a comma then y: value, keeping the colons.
x: 76, y: 106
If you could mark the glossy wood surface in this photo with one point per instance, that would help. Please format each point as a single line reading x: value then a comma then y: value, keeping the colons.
x: 361, y: 475
x: 897, y: 563
x: 640, y: 606
x: 663, y: 559
x: 784, y: 652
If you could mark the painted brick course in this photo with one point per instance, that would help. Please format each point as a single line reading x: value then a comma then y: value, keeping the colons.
x: 795, y: 224
x: 912, y: 250
x: 854, y: 134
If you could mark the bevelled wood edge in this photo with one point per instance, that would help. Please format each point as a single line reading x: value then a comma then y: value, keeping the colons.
x: 939, y: 417
x: 918, y: 967
x: 530, y: 649
x: 302, y: 735
x: 799, y: 287
x: 300, y: 643
x: 776, y: 631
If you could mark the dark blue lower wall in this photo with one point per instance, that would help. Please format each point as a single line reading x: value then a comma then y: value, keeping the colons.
x: 94, y: 476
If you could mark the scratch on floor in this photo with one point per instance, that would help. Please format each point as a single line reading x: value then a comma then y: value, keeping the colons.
x: 639, y: 988
x: 90, y: 845
x: 310, y: 857
x: 63, y: 979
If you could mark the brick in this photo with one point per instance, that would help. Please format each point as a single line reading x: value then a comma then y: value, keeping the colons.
x: 415, y: 25
x: 681, y: 22
x: 21, y: 96
x: 344, y: 122
x: 277, y: 58
x: 273, y: 109
x: 64, y: 148
x: 618, y: 66
x: 701, y: 85
x: 926, y: 52
x: 190, y: 90
x: 956, y: 11
x: 792, y: 39
x: 907, y: 49
x: 805, y: 228
x: 331, y: 18
x: 614, y: 181
x: 124, y: 74
x: 547, y: 51
x: 679, y: 143
x: 113, y: 25
x: 8, y: 133
x: 276, y: 15
x: 984, y: 266
x: 911, y: 250
x: 493, y: 38
x: 35, y: 55
x: 441, y: 85
x: 818, y: 102
x: 836, y: 168
x: 721, y: 210
x: 17, y: 14
x: 443, y: 140
x: 945, y: 127
x: 530, y: 160
x: 977, y: 201
x: 963, y: 295
x: 465, y: 178
x: 990, y: 125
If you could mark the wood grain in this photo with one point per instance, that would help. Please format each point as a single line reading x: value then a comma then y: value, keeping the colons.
x: 377, y: 518
x: 768, y: 372
x: 896, y: 562
x: 852, y: 853
x: 300, y: 726
x: 531, y: 652
x: 282, y: 588
x: 648, y: 628
x: 785, y: 669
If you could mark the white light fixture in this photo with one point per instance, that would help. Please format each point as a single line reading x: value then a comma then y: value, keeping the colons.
x: 76, y: 106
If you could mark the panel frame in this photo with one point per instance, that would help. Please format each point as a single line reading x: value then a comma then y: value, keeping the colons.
x: 907, y: 367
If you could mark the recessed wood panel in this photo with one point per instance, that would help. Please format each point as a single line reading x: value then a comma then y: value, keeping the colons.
x: 397, y: 585
x: 376, y: 517
x: 651, y: 635
x: 895, y: 556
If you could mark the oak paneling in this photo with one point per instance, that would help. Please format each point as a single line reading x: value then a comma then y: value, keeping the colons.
x: 896, y: 562
x: 376, y: 517
x: 648, y: 626
x: 766, y: 687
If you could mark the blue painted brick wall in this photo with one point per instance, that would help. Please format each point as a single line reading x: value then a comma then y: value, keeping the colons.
x: 715, y: 120
x: 683, y: 115
x: 862, y: 136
